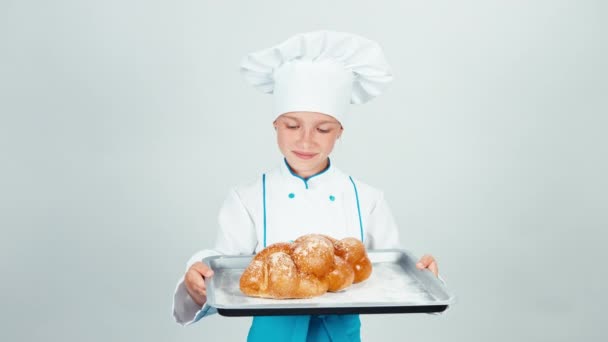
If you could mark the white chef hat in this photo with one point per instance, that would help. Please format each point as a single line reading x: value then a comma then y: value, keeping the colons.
x: 322, y: 71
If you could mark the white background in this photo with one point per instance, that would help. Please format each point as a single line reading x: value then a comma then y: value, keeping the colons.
x: 124, y: 123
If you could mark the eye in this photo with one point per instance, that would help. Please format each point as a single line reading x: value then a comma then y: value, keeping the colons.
x: 291, y: 126
x: 323, y: 130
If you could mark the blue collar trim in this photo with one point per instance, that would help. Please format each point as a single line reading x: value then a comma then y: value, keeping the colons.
x: 305, y: 180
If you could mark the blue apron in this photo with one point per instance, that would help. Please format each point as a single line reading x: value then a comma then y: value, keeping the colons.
x: 330, y: 328
x: 316, y: 328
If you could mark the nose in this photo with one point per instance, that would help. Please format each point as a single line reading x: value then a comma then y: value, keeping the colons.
x: 306, y: 138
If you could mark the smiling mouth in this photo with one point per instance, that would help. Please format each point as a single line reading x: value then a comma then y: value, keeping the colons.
x: 304, y: 155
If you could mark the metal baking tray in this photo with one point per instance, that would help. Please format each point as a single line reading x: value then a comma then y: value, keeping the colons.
x: 395, y: 286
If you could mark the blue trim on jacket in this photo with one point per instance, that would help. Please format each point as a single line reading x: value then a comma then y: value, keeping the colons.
x: 358, y: 206
x: 305, y: 180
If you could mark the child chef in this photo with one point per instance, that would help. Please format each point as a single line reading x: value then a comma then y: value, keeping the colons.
x: 313, y: 77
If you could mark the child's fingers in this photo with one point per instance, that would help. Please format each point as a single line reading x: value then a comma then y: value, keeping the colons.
x: 428, y: 261
x: 195, y: 285
x: 425, y: 261
x: 434, y: 268
x: 203, y: 269
x: 195, y: 277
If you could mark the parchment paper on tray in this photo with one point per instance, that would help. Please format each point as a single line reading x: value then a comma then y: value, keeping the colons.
x: 395, y: 286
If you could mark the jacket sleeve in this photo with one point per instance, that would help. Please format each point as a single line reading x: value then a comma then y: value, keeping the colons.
x: 381, y: 230
x: 236, y: 236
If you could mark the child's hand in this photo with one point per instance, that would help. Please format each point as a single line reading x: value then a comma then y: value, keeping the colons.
x: 195, y: 282
x: 428, y: 261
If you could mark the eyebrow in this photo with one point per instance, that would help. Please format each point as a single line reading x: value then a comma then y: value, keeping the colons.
x: 316, y: 123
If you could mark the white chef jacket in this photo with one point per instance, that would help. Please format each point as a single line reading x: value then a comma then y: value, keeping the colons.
x: 281, y: 206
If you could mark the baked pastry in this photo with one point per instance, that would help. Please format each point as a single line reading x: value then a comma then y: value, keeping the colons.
x: 308, y: 267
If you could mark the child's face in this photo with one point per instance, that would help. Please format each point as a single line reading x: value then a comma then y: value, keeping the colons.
x: 306, y: 139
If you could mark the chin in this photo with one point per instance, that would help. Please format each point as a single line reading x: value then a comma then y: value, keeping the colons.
x: 306, y: 165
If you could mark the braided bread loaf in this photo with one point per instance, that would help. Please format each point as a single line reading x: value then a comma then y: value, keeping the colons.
x: 308, y: 267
